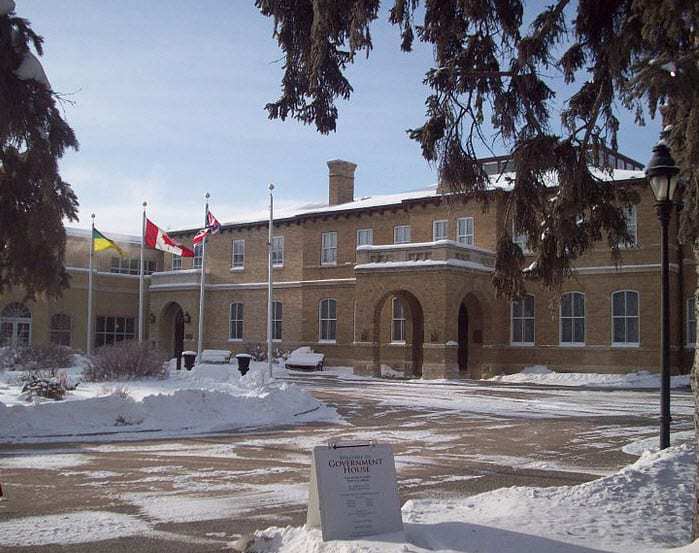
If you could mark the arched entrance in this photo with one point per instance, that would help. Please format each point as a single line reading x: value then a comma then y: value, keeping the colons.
x: 470, y: 335
x: 410, y: 313
x: 171, y: 329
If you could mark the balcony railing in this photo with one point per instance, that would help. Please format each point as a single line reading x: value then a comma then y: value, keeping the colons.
x: 442, y: 252
x: 174, y: 279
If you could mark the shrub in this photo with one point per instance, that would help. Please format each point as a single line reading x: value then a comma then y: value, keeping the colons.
x: 46, y: 384
x: 125, y: 361
x: 49, y: 356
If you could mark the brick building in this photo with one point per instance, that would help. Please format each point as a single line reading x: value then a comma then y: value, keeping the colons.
x: 401, y: 280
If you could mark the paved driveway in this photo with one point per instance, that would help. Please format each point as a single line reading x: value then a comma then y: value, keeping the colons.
x: 202, y: 493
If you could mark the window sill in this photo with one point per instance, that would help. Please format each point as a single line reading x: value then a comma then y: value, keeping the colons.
x: 522, y: 344
x: 572, y: 344
x: 238, y: 340
x: 626, y: 345
x: 277, y: 266
x: 237, y: 269
x: 328, y: 264
x: 397, y: 343
x: 327, y: 341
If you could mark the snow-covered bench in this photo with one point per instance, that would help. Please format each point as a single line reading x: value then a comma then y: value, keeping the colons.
x: 215, y: 356
x: 304, y: 358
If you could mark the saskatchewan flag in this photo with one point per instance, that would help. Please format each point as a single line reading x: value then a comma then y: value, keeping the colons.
x: 101, y: 242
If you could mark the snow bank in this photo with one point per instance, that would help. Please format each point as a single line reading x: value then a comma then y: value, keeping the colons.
x: 644, y: 507
x: 539, y: 374
x: 211, y: 398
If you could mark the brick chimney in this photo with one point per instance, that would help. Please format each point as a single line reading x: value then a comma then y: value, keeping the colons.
x: 341, y: 181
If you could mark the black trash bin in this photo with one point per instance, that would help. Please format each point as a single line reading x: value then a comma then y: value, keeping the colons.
x: 243, y: 362
x: 189, y: 358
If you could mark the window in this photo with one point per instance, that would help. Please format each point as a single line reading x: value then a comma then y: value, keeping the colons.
x: 15, y: 325
x: 196, y: 261
x: 365, y: 237
x: 625, y: 318
x: 176, y: 262
x: 523, y: 321
x: 520, y: 239
x: 238, y: 259
x: 132, y: 266
x: 328, y: 248
x: 439, y: 230
x: 631, y: 227
x: 328, y: 320
x: 277, y: 251
x: 114, y: 329
x: 59, y: 329
x: 572, y: 319
x: 397, y: 321
x: 401, y: 234
x: 276, y: 320
x: 236, y: 324
x: 465, y: 231
x: 691, y: 324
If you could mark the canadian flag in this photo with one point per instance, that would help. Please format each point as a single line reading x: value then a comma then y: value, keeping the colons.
x: 212, y: 226
x: 157, y: 239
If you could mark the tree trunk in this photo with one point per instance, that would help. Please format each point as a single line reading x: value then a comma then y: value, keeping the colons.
x: 694, y: 381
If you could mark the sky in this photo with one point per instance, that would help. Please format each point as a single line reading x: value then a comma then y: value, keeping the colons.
x: 167, y: 100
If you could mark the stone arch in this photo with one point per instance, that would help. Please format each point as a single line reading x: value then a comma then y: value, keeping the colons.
x: 171, y: 329
x: 417, y: 325
x: 469, y: 316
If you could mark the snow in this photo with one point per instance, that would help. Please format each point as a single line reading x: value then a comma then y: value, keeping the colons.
x: 539, y: 374
x: 644, y: 507
x: 215, y: 356
x: 210, y: 398
x: 51, y: 461
x: 31, y: 68
x: 304, y: 357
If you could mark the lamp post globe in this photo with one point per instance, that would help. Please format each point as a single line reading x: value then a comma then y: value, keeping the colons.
x: 662, y: 174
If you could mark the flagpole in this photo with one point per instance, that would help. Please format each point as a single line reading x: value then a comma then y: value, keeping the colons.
x: 269, y: 281
x: 200, y: 337
x: 89, y: 287
x: 140, y: 277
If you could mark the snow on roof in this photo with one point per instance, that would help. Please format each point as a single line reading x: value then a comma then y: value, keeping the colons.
x: 85, y: 233
x: 504, y: 181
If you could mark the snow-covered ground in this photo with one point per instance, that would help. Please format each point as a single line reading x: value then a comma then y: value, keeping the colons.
x: 538, y: 374
x: 210, y: 398
x: 644, y: 507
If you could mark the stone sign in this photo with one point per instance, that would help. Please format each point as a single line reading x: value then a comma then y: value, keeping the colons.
x: 353, y: 491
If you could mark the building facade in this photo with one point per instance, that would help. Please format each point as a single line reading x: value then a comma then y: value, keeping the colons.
x: 399, y: 280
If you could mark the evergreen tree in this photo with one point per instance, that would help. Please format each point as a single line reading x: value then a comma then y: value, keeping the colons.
x: 34, y: 200
x: 490, y: 79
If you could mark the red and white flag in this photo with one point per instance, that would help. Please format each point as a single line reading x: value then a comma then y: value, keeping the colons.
x: 157, y: 239
x: 212, y: 227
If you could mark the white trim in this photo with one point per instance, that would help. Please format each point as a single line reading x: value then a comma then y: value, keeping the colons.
x: 235, y: 267
x: 395, y: 229
x: 320, y: 322
x: 230, y: 321
x: 472, y: 235
x: 395, y: 299
x: 380, y: 247
x: 638, y: 317
x: 324, y: 248
x: 674, y: 267
x: 424, y: 264
x: 278, y: 265
x: 370, y: 230
x: 561, y: 343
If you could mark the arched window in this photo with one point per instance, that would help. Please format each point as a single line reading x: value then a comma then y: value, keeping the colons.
x: 328, y: 320
x: 523, y: 321
x: 625, y: 320
x: 276, y: 320
x: 15, y: 325
x: 572, y: 330
x: 397, y: 321
x: 59, y: 329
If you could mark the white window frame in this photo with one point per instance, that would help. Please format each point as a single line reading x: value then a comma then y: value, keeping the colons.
x: 198, y: 255
x: 437, y: 224
x: 238, y: 258
x: 520, y: 239
x: 277, y: 321
x: 522, y: 320
x: 465, y: 238
x: 328, y: 248
x: 625, y: 316
x: 240, y: 319
x: 398, y: 229
x: 116, y: 332
x: 573, y: 317
x: 176, y: 262
x: 369, y: 233
x: 691, y: 341
x: 400, y: 319
x: 278, y: 251
x: 631, y: 217
x: 329, y: 319
x: 16, y: 316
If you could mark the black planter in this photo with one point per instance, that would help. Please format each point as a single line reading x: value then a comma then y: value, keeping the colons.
x: 243, y: 363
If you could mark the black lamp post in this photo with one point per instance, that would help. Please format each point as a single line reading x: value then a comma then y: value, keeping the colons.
x: 662, y: 175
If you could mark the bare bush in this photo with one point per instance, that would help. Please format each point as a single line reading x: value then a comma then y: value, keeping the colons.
x: 126, y: 361
x: 48, y: 356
